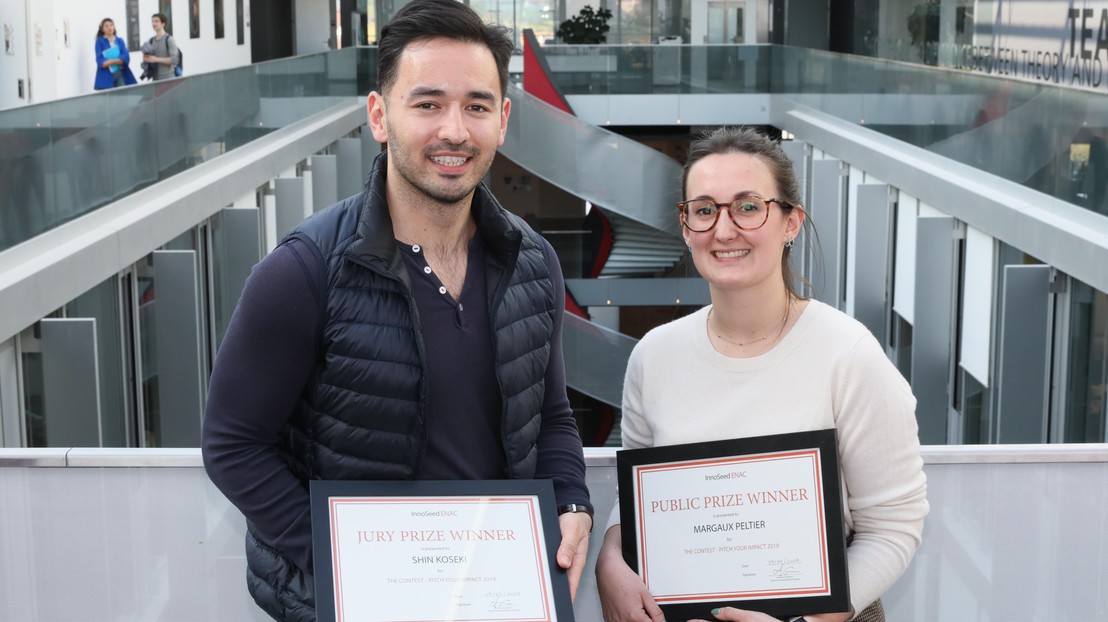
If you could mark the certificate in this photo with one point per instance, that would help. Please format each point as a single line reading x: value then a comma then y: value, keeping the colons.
x: 430, y: 550
x: 754, y: 523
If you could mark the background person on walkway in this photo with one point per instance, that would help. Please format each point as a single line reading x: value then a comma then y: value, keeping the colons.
x: 164, y: 49
x: 112, y: 58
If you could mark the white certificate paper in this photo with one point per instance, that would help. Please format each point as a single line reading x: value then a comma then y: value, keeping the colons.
x: 439, y: 558
x: 733, y: 528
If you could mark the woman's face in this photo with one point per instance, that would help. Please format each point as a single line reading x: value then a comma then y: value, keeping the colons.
x: 108, y: 28
x: 726, y: 256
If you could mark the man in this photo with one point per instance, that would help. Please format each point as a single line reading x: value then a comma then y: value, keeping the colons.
x: 163, y: 56
x: 410, y: 332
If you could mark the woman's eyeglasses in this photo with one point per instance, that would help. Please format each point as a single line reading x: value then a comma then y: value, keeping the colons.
x: 748, y: 212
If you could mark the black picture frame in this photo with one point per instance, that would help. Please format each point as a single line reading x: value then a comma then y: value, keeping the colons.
x: 194, y: 19
x: 240, y: 23
x: 542, y: 490
x: 824, y: 441
x: 165, y: 7
x: 217, y: 13
x: 131, y: 10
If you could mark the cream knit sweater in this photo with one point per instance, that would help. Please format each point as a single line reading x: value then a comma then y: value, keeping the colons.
x: 828, y: 371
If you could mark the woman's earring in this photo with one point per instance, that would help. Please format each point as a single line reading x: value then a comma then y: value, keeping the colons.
x: 789, y: 244
x: 690, y: 248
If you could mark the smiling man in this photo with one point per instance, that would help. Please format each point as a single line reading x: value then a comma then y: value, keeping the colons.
x: 412, y: 331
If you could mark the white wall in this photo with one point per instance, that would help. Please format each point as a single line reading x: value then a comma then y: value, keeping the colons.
x: 13, y: 66
x: 313, y: 25
x: 57, y: 70
x: 75, y: 66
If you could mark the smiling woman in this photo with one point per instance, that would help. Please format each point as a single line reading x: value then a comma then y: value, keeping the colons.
x: 768, y: 361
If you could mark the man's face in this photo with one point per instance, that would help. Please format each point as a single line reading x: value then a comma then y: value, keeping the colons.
x: 157, y: 24
x: 443, y: 118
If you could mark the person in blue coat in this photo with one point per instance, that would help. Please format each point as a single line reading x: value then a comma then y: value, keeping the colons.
x: 112, y: 58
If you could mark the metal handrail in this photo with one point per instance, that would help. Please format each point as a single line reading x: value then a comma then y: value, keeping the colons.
x: 92, y: 457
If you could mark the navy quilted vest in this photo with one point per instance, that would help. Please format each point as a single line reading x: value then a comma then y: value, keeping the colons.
x: 362, y: 417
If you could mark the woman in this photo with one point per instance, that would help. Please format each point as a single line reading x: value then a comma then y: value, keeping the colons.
x: 770, y: 362
x: 112, y: 58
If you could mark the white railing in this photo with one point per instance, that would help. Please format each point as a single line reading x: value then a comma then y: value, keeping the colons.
x: 1015, y: 533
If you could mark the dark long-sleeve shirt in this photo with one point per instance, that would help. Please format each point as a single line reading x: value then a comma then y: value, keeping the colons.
x: 270, y: 351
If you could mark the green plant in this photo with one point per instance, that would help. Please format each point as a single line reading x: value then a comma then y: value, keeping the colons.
x: 587, y: 27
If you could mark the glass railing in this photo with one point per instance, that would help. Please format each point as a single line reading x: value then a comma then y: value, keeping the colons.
x: 609, y: 170
x: 62, y: 159
x: 1048, y: 138
x: 596, y: 359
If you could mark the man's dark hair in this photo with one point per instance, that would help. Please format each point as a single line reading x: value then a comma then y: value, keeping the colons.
x: 161, y: 17
x: 423, y: 20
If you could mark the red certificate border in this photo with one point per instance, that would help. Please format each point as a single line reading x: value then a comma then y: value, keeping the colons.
x: 812, y: 454
x: 335, y: 503
x: 820, y: 446
x: 537, y: 497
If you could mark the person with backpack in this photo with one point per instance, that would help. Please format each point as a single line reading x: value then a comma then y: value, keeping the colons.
x: 164, y: 55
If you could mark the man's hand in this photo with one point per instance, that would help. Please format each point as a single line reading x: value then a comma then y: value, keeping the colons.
x: 574, y: 549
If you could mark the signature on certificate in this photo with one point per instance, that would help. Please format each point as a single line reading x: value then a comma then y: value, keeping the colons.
x: 784, y: 569
x: 785, y: 573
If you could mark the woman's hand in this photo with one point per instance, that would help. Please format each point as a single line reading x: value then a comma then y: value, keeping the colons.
x: 739, y: 615
x: 623, y: 596
x: 732, y: 614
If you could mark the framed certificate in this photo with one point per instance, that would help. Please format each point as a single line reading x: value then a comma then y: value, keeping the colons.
x: 433, y: 550
x: 754, y: 523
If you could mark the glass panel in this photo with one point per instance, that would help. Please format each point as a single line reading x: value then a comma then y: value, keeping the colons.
x: 82, y: 165
x: 596, y: 358
x: 102, y: 303
x: 61, y: 159
x: 194, y: 240
x: 638, y: 182
x: 131, y: 364
x: 902, y: 346
x: 1007, y: 255
x: 150, y: 432
x: 717, y: 23
x: 974, y: 406
x: 631, y: 23
x: 234, y: 250
x: 725, y: 23
x: 671, y: 19
x: 33, y: 389
x: 1088, y: 366
x: 26, y: 167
